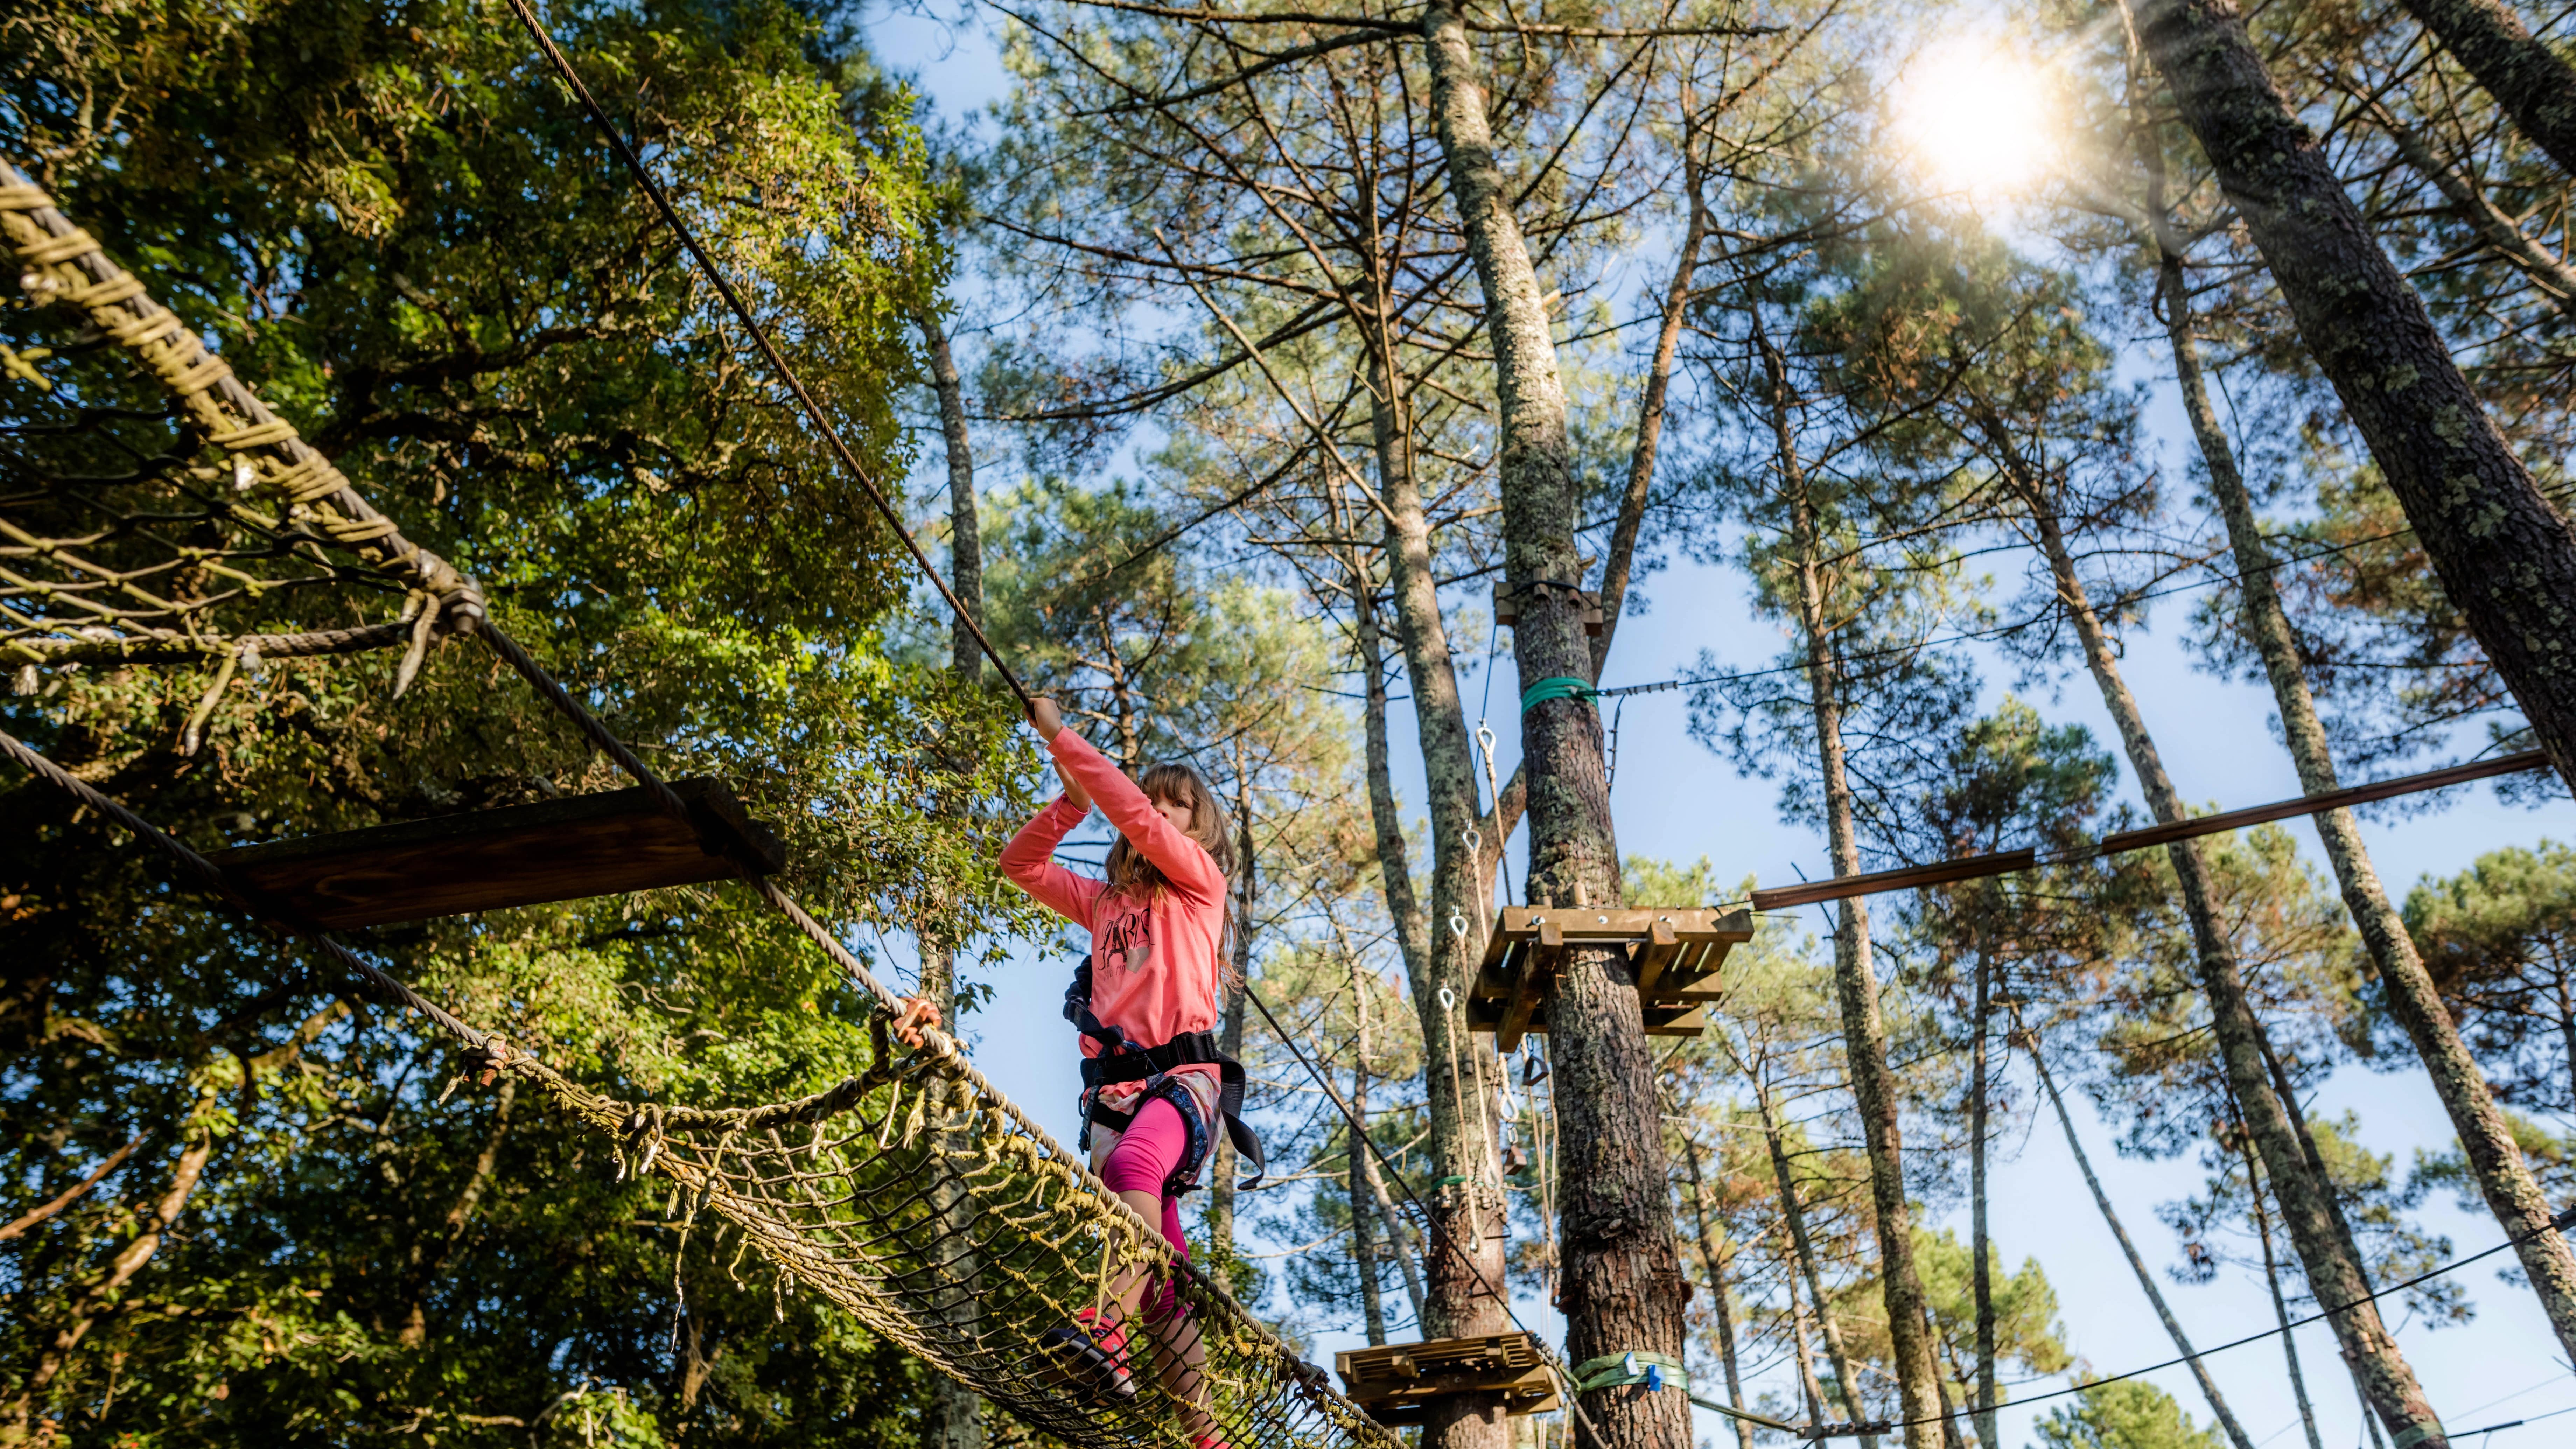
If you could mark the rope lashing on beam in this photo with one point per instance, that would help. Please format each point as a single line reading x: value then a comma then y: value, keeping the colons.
x: 915, y: 1196
x: 66, y: 264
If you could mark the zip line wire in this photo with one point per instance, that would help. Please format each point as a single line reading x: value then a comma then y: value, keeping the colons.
x: 760, y: 335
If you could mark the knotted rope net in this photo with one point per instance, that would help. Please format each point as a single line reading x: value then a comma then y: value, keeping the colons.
x: 915, y: 1195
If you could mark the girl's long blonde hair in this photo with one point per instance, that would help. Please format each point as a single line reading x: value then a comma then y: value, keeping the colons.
x: 1131, y: 872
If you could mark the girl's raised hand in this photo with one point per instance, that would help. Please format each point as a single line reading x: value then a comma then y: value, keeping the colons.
x: 1046, y: 718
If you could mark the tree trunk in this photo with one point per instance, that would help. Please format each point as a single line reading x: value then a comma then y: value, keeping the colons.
x: 1247, y: 883
x: 1713, y: 1267
x: 427, y: 1264
x: 2524, y: 75
x: 1463, y: 1263
x: 1363, y: 1242
x: 1918, y: 1376
x: 2236, y: 1434
x: 2503, y: 554
x: 956, y: 1412
x: 2280, y: 1305
x: 2307, y: 1204
x: 1981, y: 1276
x: 965, y: 527
x: 2503, y: 1178
x: 1621, y: 1271
x: 1807, y: 1382
x: 1846, y: 1387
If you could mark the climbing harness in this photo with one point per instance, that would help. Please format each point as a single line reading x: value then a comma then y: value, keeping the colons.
x: 1122, y: 1059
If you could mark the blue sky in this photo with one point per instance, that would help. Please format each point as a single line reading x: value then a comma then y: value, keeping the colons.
x: 1678, y: 801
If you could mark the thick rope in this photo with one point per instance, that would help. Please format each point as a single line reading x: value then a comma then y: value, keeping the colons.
x: 64, y: 263
x: 167, y: 647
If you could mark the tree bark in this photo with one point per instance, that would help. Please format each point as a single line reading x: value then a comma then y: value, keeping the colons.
x: 2496, y: 1161
x: 2236, y: 1434
x: 1981, y: 1276
x: 2524, y: 75
x: 1713, y: 1267
x: 2280, y: 1305
x: 1918, y: 1375
x: 1621, y: 1271
x: 965, y: 526
x: 957, y: 1412
x: 1846, y: 1387
x: 1463, y: 1264
x: 1363, y: 1241
x: 1814, y: 1390
x: 1247, y: 884
x: 2501, y: 551
x: 2307, y: 1203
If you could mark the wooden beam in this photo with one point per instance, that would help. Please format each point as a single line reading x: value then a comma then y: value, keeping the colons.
x: 1536, y: 979
x: 523, y: 855
x: 2005, y: 862
x: 1662, y: 945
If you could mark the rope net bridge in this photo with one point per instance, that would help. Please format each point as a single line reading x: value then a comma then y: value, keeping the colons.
x: 915, y: 1195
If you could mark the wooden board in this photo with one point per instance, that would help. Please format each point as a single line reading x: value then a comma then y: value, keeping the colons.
x: 523, y: 855
x: 1397, y: 1383
x: 1675, y: 954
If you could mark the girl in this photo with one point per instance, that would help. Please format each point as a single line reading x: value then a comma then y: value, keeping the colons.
x: 1152, y: 991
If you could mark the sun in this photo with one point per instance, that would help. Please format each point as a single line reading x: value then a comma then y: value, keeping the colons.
x: 1976, y: 117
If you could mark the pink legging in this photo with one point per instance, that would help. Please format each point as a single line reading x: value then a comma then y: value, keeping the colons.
x: 1147, y: 1154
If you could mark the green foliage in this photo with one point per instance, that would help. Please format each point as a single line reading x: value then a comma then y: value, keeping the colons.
x: 397, y: 227
x: 2129, y: 1414
x: 2500, y: 941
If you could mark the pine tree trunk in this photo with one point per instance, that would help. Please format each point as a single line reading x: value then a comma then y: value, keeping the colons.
x: 1247, y: 885
x: 956, y: 1412
x: 2307, y: 1204
x: 2494, y: 1159
x: 1621, y: 1272
x: 1874, y: 1090
x: 1363, y: 1210
x: 1793, y: 1213
x: 965, y: 528
x: 2236, y: 1434
x: 1462, y: 1268
x: 2524, y: 75
x: 1981, y: 1275
x: 2280, y: 1305
x: 2503, y: 553
x: 1713, y: 1268
x: 1807, y: 1382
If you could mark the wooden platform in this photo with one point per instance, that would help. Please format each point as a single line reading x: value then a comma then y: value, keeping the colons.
x: 1675, y: 954
x: 524, y: 855
x: 1397, y: 1383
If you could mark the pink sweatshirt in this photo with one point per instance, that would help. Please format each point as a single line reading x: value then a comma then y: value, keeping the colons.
x: 1156, y: 966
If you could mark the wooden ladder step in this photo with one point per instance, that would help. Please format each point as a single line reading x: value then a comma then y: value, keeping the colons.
x: 520, y: 855
x: 1396, y: 1384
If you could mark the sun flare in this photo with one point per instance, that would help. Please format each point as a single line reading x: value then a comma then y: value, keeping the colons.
x: 1978, y: 118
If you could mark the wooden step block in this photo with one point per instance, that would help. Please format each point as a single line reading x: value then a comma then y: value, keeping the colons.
x: 1674, y: 953
x: 523, y: 855
x: 1397, y: 1383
